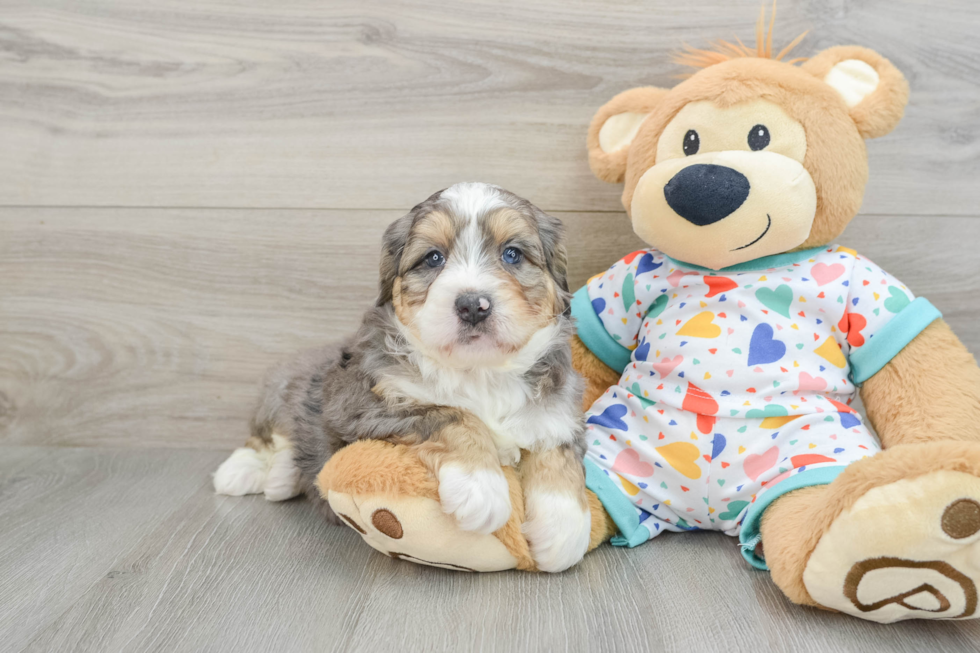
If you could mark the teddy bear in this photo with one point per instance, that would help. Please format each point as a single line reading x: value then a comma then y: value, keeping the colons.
x: 722, y: 360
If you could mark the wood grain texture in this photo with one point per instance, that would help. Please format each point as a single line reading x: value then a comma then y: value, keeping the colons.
x: 128, y: 550
x: 374, y: 104
x: 153, y: 327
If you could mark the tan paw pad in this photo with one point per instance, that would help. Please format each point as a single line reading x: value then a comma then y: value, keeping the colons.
x: 907, y: 550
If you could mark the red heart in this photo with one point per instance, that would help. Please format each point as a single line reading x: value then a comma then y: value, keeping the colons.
x: 717, y: 285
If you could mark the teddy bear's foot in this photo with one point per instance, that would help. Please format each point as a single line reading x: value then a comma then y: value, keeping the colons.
x: 895, y: 536
x: 384, y: 493
x: 906, y: 550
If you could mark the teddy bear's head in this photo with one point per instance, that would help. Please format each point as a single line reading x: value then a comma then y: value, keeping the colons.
x: 751, y: 155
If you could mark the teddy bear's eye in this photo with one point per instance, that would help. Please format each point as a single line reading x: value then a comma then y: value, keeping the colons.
x: 758, y: 137
x: 692, y: 142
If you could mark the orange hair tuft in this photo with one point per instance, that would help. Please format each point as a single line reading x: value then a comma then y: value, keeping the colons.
x: 726, y: 50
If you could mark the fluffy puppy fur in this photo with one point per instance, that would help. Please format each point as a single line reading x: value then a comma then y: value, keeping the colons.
x: 466, y: 356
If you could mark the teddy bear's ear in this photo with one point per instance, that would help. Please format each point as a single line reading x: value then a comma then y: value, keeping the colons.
x: 873, y: 89
x: 614, y: 127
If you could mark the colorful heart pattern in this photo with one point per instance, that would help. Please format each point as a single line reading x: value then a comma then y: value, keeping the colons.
x: 736, y: 381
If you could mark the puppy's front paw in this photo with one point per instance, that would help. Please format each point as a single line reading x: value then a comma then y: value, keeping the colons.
x: 478, y: 499
x: 557, y: 529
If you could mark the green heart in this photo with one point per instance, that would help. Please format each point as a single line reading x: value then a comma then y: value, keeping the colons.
x: 741, y: 429
x: 658, y: 306
x: 737, y: 350
x: 775, y: 384
x: 776, y: 300
x: 697, y: 362
x: 828, y: 419
x: 663, y: 485
x: 635, y: 389
x: 799, y: 345
x: 596, y: 443
x: 897, y: 301
x: 643, y: 438
x: 734, y: 508
x: 721, y: 482
x: 772, y: 410
x: 793, y: 441
x: 629, y: 297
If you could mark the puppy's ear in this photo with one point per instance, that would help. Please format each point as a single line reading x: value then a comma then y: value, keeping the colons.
x: 873, y: 89
x: 613, y: 128
x: 552, y: 233
x: 392, y: 245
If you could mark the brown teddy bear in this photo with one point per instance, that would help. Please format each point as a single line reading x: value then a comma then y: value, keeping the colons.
x: 721, y: 362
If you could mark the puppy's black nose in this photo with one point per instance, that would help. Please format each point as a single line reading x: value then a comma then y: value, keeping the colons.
x: 472, y: 307
x: 705, y: 193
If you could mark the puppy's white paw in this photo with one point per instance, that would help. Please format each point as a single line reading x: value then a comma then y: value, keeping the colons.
x: 282, y: 479
x: 478, y: 499
x: 557, y: 529
x: 242, y: 473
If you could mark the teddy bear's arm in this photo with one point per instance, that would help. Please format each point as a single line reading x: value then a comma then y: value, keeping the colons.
x: 929, y: 391
x: 598, y: 376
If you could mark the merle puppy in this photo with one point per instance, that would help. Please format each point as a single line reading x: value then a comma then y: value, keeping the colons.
x: 466, y: 357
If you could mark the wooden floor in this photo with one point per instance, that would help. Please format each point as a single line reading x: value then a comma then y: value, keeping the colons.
x: 190, y: 190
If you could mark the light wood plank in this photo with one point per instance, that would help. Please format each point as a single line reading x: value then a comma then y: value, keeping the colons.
x: 152, y: 327
x: 373, y: 104
x: 121, y: 550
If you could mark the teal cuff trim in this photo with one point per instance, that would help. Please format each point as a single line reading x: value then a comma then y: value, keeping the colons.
x: 764, y: 263
x: 616, y: 504
x: 594, y: 335
x: 892, y: 338
x: 751, y: 533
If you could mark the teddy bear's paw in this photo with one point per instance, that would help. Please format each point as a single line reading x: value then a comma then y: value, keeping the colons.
x: 415, y: 529
x: 906, y: 550
x: 557, y: 529
x: 479, y: 499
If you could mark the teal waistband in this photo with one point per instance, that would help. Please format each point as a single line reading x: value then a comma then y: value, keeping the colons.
x: 594, y: 335
x: 623, y: 513
x: 892, y: 338
x: 751, y: 533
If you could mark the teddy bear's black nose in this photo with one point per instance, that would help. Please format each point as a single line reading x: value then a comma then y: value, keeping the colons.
x: 705, y: 193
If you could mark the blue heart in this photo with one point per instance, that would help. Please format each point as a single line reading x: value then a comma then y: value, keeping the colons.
x: 642, y: 486
x: 763, y: 348
x: 642, y: 351
x: 646, y: 264
x: 839, y: 450
x: 744, y: 319
x: 718, y: 445
x: 849, y: 420
x: 610, y: 418
x: 725, y: 393
x: 598, y: 305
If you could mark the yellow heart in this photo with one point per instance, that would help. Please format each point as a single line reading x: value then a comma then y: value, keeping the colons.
x: 830, y: 352
x: 700, y: 326
x: 707, y: 375
x: 631, y: 489
x: 682, y: 456
x: 813, y: 446
x: 778, y: 421
x: 741, y: 450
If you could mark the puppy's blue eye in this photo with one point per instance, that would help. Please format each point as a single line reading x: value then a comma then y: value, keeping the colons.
x: 512, y: 256
x: 435, y: 259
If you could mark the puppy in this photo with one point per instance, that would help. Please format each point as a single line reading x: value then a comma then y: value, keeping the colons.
x: 466, y: 356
